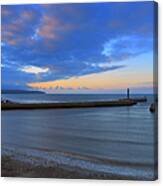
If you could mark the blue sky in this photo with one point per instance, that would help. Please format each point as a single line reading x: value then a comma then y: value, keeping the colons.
x: 51, y: 46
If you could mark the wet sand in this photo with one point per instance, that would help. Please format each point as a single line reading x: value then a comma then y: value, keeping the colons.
x: 11, y: 167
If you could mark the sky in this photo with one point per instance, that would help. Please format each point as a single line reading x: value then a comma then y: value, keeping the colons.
x: 78, y: 48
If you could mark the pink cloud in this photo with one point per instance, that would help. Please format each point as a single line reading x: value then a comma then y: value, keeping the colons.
x: 27, y: 16
x: 5, y: 11
x: 8, y: 36
x: 11, y: 31
x: 51, y: 27
x: 48, y: 27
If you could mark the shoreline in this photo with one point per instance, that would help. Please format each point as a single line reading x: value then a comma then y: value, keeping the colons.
x: 60, y: 165
x: 15, y: 166
x: 11, y: 167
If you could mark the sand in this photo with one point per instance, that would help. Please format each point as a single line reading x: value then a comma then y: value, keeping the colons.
x: 11, y: 167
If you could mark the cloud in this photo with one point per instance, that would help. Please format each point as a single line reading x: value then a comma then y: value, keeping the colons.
x: 48, y: 27
x: 121, y: 48
x: 34, y: 69
x: 17, y: 26
x: 5, y: 11
x: 100, y: 65
x: 2, y: 65
x: 51, y: 27
x: 64, y: 37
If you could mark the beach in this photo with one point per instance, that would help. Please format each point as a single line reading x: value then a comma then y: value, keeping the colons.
x: 79, y: 93
x: 16, y: 168
x: 95, y: 143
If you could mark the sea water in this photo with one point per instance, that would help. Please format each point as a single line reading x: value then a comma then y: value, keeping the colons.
x: 116, y: 140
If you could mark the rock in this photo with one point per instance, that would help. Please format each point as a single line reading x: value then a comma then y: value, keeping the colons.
x: 152, y: 108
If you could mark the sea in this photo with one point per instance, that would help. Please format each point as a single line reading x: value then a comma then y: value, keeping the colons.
x: 115, y: 140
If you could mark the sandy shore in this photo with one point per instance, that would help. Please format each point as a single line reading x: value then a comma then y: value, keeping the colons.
x: 11, y: 167
x: 15, y: 168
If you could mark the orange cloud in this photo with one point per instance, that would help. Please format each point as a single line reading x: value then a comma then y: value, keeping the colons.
x: 103, y: 80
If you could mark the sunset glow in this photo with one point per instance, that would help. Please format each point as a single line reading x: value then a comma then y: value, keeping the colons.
x: 78, y: 47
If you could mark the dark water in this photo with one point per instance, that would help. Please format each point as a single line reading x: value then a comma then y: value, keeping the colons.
x: 120, y: 138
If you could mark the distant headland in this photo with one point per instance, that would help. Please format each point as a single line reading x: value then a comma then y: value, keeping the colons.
x: 11, y: 91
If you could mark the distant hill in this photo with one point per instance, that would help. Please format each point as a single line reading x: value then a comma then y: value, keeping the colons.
x: 21, y: 92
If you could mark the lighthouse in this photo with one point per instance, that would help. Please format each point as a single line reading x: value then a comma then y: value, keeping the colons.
x: 128, y: 93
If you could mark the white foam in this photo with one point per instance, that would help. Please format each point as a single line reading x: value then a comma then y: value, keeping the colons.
x: 37, y: 157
